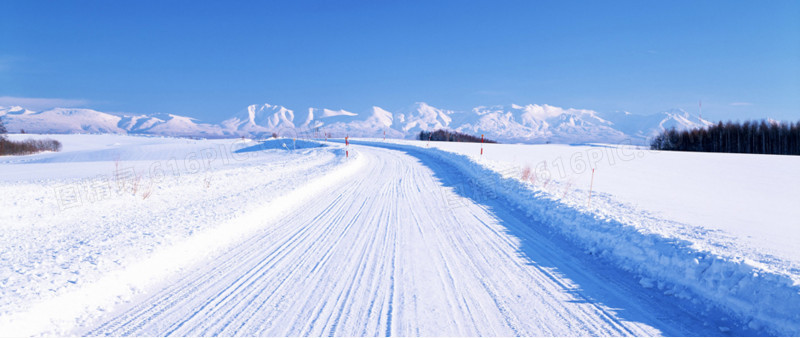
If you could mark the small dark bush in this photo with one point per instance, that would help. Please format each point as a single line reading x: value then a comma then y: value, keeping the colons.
x: 27, y: 147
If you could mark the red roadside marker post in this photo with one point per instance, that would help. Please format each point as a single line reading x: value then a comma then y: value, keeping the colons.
x: 481, y: 145
x: 346, y: 146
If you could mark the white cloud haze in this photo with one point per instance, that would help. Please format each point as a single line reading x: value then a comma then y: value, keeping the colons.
x: 39, y: 103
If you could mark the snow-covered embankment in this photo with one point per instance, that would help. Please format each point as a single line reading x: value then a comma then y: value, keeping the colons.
x: 760, y: 297
x: 112, y: 216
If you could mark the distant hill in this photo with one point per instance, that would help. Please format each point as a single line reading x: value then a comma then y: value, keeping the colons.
x: 513, y: 123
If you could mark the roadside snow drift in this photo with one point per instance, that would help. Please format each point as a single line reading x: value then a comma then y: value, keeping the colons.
x: 756, y: 278
x: 111, y: 216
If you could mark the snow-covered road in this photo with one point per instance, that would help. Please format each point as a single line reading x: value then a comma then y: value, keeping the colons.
x: 402, y: 248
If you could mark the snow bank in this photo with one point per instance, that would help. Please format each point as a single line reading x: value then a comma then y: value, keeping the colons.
x: 762, y: 299
x: 67, y: 258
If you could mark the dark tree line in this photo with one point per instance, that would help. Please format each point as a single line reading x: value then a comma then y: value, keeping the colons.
x: 30, y: 146
x: 450, y: 136
x: 751, y: 137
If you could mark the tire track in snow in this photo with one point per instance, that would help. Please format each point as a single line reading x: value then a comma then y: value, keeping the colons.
x: 384, y: 254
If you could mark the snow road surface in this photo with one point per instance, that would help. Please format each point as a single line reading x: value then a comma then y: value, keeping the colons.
x: 402, y: 249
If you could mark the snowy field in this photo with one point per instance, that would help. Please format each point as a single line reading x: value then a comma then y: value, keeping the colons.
x: 128, y: 235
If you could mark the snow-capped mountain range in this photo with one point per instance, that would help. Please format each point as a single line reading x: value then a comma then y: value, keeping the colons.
x: 514, y: 123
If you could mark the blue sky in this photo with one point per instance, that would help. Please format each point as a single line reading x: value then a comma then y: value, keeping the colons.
x: 211, y: 59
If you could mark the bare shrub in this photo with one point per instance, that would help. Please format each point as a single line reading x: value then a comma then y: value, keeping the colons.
x: 526, y: 173
x: 27, y: 147
x: 147, y: 192
x: 135, y: 184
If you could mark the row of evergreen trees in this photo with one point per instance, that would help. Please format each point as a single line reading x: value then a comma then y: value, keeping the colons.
x: 450, y: 136
x: 752, y: 137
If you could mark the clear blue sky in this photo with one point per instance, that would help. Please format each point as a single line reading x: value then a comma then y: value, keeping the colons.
x: 211, y: 59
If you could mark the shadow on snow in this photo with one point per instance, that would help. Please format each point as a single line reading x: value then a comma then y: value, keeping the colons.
x: 596, y: 281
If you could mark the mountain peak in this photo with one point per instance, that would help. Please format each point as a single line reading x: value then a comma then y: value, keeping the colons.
x: 382, y: 116
x: 507, y: 123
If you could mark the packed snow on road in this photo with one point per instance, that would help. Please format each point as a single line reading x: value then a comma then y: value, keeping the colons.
x: 153, y: 236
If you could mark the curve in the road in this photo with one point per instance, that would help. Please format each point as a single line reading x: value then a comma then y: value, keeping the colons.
x: 405, y: 249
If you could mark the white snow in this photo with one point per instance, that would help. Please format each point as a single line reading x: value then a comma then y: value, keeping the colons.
x: 78, y: 237
x: 393, y: 251
x: 260, y: 120
x: 722, y: 226
x: 123, y: 235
